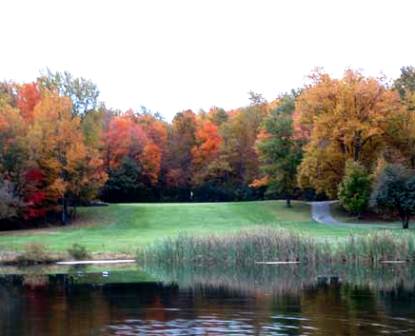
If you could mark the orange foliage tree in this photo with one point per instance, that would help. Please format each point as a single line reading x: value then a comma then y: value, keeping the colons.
x: 57, y: 147
x: 206, y: 150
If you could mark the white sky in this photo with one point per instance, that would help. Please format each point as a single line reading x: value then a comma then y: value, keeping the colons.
x: 173, y: 55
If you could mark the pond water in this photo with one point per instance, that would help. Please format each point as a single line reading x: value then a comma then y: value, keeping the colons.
x: 262, y: 301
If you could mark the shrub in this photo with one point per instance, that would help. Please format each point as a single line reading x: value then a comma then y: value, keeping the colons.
x: 34, y: 253
x: 78, y: 252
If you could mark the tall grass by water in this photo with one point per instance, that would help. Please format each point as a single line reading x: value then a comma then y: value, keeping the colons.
x: 267, y: 245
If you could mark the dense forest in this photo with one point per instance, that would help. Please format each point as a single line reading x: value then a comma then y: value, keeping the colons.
x: 60, y: 147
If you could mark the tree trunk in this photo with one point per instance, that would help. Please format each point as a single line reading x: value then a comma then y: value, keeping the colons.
x: 64, y: 211
x: 75, y: 211
x: 406, y: 223
x: 357, y: 146
x: 288, y: 202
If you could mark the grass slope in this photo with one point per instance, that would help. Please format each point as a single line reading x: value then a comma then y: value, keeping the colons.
x: 122, y: 228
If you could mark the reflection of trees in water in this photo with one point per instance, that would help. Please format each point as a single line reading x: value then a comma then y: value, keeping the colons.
x: 10, y: 308
x: 336, y: 301
x: 39, y: 304
x: 35, y: 280
x: 399, y: 301
x: 341, y: 300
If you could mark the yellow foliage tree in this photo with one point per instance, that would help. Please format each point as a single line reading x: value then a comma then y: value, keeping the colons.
x: 342, y: 119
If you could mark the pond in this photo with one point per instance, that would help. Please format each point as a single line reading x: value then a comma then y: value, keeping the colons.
x: 265, y: 300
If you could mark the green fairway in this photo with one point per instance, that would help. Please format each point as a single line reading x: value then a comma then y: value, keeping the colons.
x: 122, y: 228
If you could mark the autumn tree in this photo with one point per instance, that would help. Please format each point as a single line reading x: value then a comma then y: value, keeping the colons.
x: 279, y: 151
x: 239, y: 135
x: 57, y: 147
x: 134, y: 137
x: 33, y: 193
x: 27, y: 98
x: 155, y: 150
x: 206, y: 149
x: 401, y: 130
x: 182, y: 139
x: 13, y: 155
x: 123, y: 138
x: 341, y: 119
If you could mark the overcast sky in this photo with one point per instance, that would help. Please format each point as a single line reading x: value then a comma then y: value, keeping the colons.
x: 173, y: 55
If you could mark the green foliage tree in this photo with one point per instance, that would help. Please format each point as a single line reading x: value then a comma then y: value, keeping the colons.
x: 218, y: 116
x: 406, y: 82
x: 124, y: 183
x: 82, y: 92
x: 354, y: 190
x: 394, y: 192
x: 9, y: 201
x: 280, y: 153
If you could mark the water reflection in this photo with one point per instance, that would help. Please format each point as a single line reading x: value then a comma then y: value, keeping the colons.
x: 260, y: 301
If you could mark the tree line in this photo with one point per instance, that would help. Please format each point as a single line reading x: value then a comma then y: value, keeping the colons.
x: 61, y: 147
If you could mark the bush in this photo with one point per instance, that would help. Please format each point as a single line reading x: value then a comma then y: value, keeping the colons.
x: 354, y: 190
x: 35, y: 253
x: 78, y: 252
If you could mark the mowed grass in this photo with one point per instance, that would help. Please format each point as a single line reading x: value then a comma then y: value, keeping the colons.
x: 123, y: 228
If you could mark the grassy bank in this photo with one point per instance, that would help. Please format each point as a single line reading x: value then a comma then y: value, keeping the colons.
x: 122, y: 228
x: 269, y: 245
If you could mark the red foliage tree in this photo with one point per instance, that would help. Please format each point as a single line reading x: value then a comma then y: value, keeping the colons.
x: 27, y: 98
x: 34, y: 197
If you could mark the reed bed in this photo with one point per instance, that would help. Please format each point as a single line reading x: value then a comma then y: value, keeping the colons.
x: 377, y: 247
x: 249, y: 247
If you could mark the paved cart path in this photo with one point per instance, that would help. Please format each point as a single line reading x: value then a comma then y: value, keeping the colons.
x: 320, y: 212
